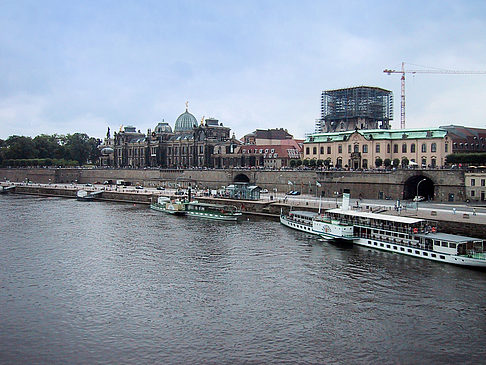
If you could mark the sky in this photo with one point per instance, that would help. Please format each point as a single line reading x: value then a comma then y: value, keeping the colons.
x: 83, y: 66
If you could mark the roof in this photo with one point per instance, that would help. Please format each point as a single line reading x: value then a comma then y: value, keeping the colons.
x: 304, y: 213
x: 448, y: 237
x: 279, y: 133
x: 379, y: 134
x: 391, y: 218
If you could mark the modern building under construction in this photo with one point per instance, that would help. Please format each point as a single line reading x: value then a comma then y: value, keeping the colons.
x: 361, y: 107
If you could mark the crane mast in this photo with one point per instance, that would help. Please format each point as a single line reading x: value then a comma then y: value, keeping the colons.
x: 402, y: 81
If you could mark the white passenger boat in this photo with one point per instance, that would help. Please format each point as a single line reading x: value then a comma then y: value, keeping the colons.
x: 213, y: 211
x: 319, y: 224
x: 164, y: 204
x: 412, y: 236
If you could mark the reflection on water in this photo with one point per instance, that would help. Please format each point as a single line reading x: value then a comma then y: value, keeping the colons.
x: 112, y: 283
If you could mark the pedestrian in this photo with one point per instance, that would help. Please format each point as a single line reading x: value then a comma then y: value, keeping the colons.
x: 453, y: 210
x: 474, y: 211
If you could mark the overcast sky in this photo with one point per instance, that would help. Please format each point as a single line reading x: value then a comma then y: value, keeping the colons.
x: 81, y: 66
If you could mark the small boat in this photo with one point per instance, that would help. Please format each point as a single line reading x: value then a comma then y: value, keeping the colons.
x: 164, y: 204
x: 213, y: 211
x: 83, y: 195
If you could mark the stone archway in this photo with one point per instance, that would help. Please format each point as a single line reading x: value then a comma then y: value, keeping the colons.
x: 425, y: 187
x: 241, y: 178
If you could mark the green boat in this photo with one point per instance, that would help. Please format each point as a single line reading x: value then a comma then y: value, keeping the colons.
x: 213, y: 211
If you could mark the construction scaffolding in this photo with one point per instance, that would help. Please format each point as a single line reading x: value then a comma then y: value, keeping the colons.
x: 362, y: 107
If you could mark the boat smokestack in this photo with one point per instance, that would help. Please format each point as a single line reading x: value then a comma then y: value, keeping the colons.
x: 345, y: 205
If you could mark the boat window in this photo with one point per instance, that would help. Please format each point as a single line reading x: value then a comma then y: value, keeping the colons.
x: 433, y: 255
x: 395, y: 247
x: 442, y: 257
x: 417, y: 252
x: 376, y: 244
x: 402, y: 249
x: 452, y: 245
x: 369, y: 242
x: 387, y: 246
x: 437, y: 243
x: 409, y: 250
x: 425, y: 253
x: 444, y: 244
x: 381, y: 244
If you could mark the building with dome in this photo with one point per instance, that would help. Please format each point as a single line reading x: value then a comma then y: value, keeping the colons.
x: 185, y: 122
x: 190, y: 144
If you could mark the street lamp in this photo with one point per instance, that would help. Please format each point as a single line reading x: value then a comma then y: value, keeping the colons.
x: 416, y: 196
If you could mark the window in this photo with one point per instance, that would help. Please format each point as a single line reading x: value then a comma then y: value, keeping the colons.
x: 404, y: 148
x: 424, y: 147
x: 322, y: 150
x: 434, y: 162
x: 340, y: 148
x: 388, y: 148
x: 473, y: 193
x: 473, y: 182
x: 272, y: 150
x: 446, y: 148
x: 377, y: 148
x: 356, y: 148
x: 395, y: 148
x: 314, y: 150
x: 412, y: 148
x: 328, y: 150
x: 365, y: 148
x: 349, y: 148
x: 433, y: 147
x: 483, y: 182
x: 307, y: 150
x: 424, y: 162
x: 365, y: 163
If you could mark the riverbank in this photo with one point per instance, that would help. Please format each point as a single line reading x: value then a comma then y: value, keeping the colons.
x: 464, y: 224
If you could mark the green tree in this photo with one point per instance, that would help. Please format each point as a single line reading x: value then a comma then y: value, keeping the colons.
x: 299, y: 163
x: 378, y: 162
x: 20, y: 147
x: 293, y: 163
x: 306, y: 162
x: 320, y: 163
x: 387, y: 162
x: 405, y: 162
x: 396, y: 162
x: 312, y: 163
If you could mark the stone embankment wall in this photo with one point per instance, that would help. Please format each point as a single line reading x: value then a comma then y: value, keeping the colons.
x: 368, y: 185
x: 269, y: 209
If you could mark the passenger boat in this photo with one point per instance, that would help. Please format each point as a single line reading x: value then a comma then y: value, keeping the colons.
x: 412, y: 236
x: 213, y: 211
x: 164, y: 204
x: 319, y: 224
x: 83, y: 195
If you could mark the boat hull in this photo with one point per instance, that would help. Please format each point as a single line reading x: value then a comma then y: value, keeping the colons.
x: 421, y: 253
x: 214, y: 216
x: 167, y: 211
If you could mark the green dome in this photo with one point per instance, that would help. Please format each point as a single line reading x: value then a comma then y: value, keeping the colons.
x: 185, y: 122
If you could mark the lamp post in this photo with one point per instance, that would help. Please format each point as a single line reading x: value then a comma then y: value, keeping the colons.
x: 416, y: 196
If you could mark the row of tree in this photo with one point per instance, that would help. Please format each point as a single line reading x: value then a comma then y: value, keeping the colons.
x: 476, y: 159
x: 320, y: 163
x: 46, y: 150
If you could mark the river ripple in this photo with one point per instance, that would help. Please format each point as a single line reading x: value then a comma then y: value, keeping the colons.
x: 92, y: 282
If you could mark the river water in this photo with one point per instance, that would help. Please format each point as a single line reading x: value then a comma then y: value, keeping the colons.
x: 93, y: 282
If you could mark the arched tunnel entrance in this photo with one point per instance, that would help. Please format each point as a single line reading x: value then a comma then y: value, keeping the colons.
x: 241, y: 178
x: 425, y: 187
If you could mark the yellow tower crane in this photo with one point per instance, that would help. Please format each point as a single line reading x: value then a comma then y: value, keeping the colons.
x: 403, y: 71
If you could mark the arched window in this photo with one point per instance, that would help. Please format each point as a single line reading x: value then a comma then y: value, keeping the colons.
x: 433, y: 147
x: 412, y: 148
x: 424, y: 147
x: 339, y: 162
x: 395, y: 148
x: 356, y: 148
x: 404, y: 148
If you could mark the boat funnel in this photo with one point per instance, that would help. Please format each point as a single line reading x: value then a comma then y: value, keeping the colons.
x: 345, y: 205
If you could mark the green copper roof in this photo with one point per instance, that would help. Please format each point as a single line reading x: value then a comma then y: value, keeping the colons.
x: 379, y: 134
